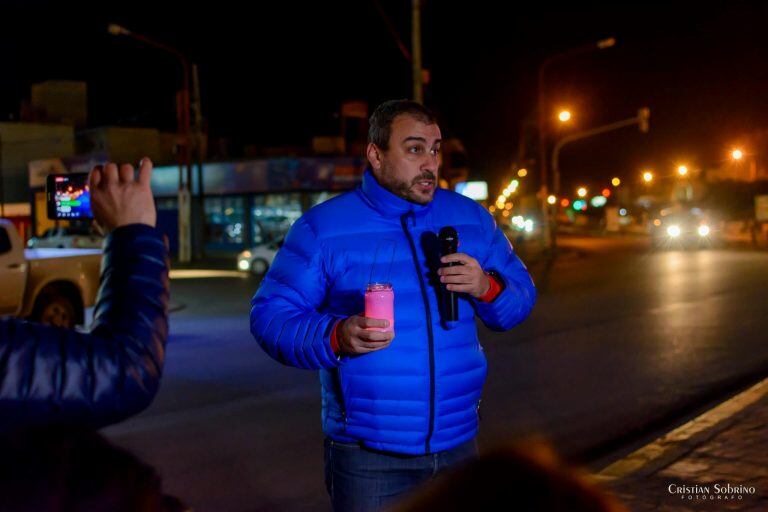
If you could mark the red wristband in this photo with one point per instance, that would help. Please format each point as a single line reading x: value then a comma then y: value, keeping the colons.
x: 493, y: 291
x: 334, y: 340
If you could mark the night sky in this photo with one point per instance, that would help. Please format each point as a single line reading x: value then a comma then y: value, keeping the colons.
x: 275, y: 73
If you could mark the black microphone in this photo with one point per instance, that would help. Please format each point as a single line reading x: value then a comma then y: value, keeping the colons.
x: 449, y: 244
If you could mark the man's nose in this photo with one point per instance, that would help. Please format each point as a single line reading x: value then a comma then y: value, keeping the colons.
x: 431, y: 163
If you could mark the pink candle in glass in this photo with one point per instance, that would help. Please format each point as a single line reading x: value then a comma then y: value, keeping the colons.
x: 380, y: 304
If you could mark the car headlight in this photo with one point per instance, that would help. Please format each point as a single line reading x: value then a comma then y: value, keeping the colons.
x: 529, y: 226
x: 674, y: 231
x: 703, y: 230
x: 244, y: 264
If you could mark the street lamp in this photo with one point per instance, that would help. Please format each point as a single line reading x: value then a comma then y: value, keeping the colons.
x: 551, y: 200
x: 581, y: 192
x: 682, y: 170
x: 564, y: 116
x: 184, y: 194
x: 522, y: 173
x: 596, y: 46
x: 615, y: 182
x: 737, y: 154
x: 648, y: 176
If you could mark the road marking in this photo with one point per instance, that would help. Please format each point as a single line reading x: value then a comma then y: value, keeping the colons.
x: 673, y: 445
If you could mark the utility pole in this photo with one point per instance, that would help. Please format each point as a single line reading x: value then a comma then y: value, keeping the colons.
x: 183, y: 118
x: 418, y: 86
x: 197, y: 147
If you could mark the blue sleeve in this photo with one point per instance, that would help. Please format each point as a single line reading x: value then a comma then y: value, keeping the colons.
x: 516, y: 300
x: 285, y: 312
x: 49, y: 374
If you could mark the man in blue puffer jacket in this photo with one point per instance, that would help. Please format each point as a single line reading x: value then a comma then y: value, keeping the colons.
x: 397, y: 408
x: 53, y: 375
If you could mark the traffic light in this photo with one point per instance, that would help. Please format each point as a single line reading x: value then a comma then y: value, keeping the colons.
x: 643, y: 115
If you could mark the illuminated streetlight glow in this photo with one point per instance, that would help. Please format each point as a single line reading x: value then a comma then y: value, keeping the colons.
x: 648, y: 176
x: 582, y: 192
x: 522, y: 173
x: 565, y: 203
x: 606, y: 192
x: 615, y: 182
x: 551, y: 199
x: 606, y: 43
x: 737, y: 154
x: 682, y: 170
x: 564, y: 116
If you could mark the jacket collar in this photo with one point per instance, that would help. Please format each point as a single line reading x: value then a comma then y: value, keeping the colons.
x: 387, y: 203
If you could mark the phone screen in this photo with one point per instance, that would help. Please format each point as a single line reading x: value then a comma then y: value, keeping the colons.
x: 68, y: 196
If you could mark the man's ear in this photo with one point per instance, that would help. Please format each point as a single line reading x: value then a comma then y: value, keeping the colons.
x: 373, y: 152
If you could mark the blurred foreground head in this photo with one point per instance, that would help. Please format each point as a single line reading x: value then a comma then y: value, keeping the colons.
x: 528, y: 478
x: 75, y: 470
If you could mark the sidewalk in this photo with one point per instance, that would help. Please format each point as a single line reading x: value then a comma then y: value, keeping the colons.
x: 718, y: 461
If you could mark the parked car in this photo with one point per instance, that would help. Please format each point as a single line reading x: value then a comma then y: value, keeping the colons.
x: 51, y: 286
x: 72, y: 237
x: 258, y: 259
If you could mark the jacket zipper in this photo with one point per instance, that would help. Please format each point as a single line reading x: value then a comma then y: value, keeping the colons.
x: 342, y: 398
x: 414, y: 255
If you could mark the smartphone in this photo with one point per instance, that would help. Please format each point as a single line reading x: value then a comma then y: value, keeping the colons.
x: 68, y: 196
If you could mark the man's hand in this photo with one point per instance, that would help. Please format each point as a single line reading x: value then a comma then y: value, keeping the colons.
x: 355, y: 337
x: 117, y: 199
x: 468, y: 277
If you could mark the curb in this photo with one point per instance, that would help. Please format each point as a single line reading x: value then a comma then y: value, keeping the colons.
x: 682, y: 440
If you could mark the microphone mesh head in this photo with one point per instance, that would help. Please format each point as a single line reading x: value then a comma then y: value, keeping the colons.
x: 448, y: 233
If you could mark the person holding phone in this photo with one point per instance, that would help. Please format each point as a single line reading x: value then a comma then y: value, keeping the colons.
x: 54, y: 375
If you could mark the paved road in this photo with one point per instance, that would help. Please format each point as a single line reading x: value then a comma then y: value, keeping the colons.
x: 621, y: 335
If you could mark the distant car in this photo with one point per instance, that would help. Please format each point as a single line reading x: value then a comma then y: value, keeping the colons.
x: 67, y: 238
x: 258, y: 259
x: 692, y: 228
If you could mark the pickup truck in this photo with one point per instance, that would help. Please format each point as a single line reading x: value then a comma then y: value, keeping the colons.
x: 51, y: 286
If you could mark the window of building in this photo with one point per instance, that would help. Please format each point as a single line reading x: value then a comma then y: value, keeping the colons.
x: 224, y: 220
x: 272, y: 215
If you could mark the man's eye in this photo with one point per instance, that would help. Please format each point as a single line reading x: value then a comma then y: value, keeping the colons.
x: 414, y: 149
x: 436, y: 151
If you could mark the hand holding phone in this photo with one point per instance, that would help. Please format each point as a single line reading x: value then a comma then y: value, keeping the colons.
x: 119, y: 199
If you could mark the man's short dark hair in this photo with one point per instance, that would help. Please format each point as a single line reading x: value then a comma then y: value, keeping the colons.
x: 380, y: 123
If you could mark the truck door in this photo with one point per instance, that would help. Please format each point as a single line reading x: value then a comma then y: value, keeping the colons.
x: 12, y: 269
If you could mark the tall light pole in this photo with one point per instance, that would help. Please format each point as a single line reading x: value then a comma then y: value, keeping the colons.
x: 542, y: 108
x: 418, y: 85
x: 184, y: 122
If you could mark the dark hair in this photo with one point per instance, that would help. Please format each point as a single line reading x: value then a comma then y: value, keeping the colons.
x: 380, y: 123
x: 530, y: 478
x: 62, y: 467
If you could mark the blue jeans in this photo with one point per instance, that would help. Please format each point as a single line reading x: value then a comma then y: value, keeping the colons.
x: 363, y: 480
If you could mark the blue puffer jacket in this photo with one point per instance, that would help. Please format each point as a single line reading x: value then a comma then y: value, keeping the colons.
x: 53, y: 375
x: 421, y: 394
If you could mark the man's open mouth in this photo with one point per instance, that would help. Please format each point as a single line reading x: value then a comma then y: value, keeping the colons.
x: 426, y: 183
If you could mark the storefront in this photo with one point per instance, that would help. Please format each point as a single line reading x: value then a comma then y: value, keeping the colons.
x: 248, y: 203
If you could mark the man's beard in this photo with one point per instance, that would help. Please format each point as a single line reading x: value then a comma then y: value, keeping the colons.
x: 404, y: 188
